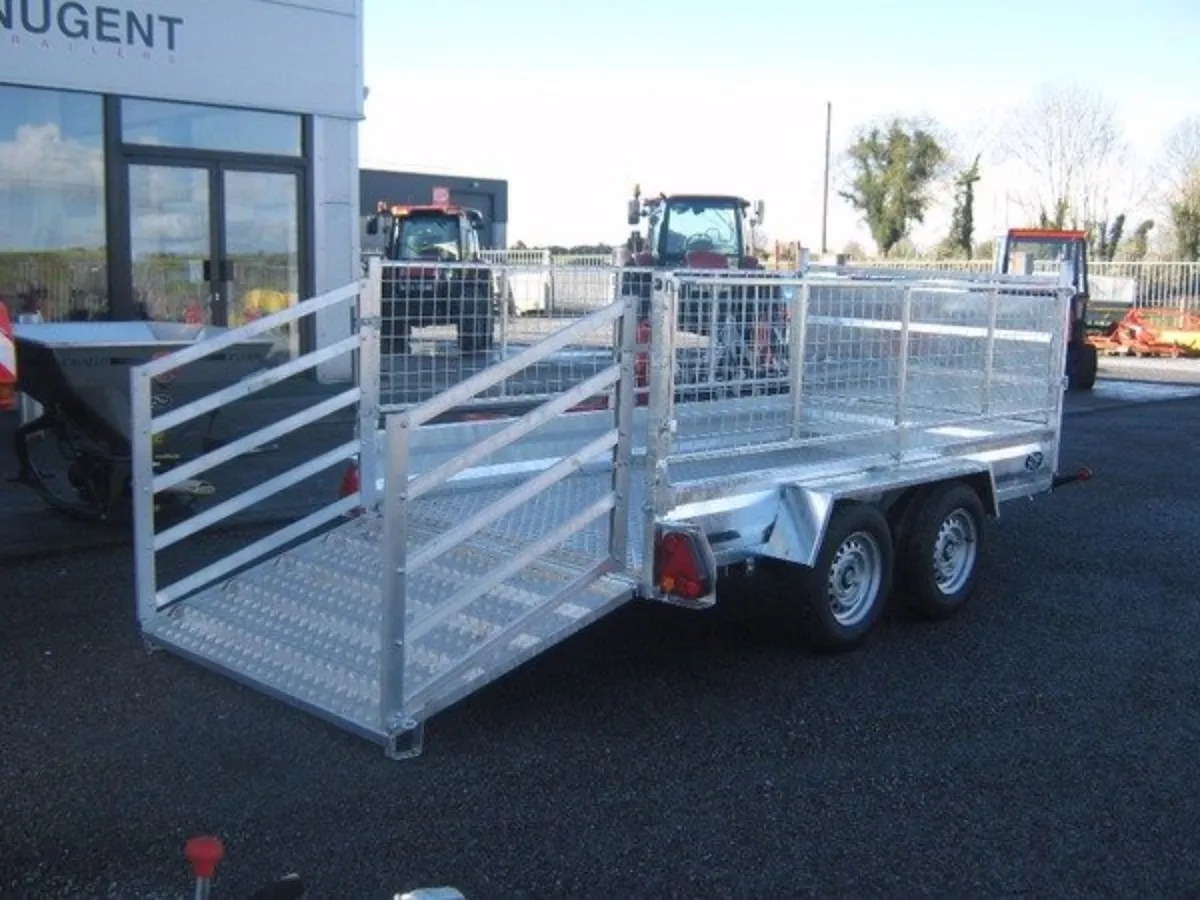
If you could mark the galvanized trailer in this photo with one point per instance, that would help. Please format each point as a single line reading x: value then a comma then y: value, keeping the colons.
x: 860, y: 454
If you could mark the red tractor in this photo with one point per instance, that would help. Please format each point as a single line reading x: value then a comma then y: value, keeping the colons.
x: 1018, y: 252
x: 416, y: 296
x: 708, y: 232
x: 693, y: 231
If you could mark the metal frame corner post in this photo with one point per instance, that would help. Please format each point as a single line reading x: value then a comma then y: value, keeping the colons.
x: 370, y: 305
x: 625, y: 402
x: 989, y: 351
x: 141, y: 448
x: 797, y: 346
x: 1059, y: 379
x: 661, y: 425
x: 393, y: 648
x: 901, y: 416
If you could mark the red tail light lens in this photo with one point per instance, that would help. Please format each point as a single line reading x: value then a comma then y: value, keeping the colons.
x: 641, y: 364
x: 349, y: 486
x: 349, y: 483
x: 680, y: 568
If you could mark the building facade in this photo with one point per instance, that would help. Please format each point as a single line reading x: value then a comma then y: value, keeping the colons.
x: 488, y: 195
x: 179, y: 160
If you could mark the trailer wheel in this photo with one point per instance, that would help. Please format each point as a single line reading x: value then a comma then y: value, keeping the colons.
x: 844, y: 592
x: 939, y: 550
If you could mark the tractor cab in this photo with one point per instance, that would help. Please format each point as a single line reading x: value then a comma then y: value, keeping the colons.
x: 435, y: 233
x: 1061, y: 254
x: 695, y: 231
x: 1029, y: 251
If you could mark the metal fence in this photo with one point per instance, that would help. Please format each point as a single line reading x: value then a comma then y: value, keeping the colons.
x: 1142, y: 284
x: 1147, y: 284
x: 813, y: 361
x: 61, y: 288
x: 443, y: 323
x: 733, y: 341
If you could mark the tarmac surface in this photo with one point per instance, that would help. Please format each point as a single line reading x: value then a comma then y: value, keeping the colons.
x: 1046, y: 742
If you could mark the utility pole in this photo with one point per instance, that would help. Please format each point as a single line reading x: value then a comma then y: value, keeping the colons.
x: 825, y: 199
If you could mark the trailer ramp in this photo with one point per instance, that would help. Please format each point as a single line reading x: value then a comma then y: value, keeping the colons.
x: 425, y: 594
x: 305, y: 626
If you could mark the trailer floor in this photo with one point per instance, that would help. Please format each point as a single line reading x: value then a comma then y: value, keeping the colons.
x: 304, y: 626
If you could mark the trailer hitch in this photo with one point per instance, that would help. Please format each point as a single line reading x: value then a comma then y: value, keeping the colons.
x: 1082, y: 474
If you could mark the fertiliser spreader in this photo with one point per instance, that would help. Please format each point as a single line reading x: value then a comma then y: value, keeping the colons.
x: 77, y: 453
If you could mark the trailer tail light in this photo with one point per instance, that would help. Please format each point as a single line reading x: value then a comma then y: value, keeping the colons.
x: 641, y: 362
x: 349, y: 487
x: 684, y: 570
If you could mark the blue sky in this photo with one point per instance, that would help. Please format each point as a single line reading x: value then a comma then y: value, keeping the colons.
x: 573, y: 103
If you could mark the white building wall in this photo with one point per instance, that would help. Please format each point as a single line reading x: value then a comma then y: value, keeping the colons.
x: 295, y: 56
x: 336, y: 231
x: 250, y: 53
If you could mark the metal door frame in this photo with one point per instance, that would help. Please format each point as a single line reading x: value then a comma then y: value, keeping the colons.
x: 217, y: 269
x: 118, y: 156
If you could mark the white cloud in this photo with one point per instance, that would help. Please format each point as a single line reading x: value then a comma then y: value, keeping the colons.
x: 51, y: 190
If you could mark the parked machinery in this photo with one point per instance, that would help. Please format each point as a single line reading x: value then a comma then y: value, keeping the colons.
x: 1018, y: 251
x: 707, y: 231
x: 463, y: 295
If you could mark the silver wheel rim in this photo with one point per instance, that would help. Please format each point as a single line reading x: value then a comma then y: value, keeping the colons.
x: 954, y: 551
x: 855, y: 576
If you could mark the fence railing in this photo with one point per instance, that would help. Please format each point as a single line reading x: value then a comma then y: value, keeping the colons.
x: 149, y: 421
x: 1146, y: 284
x: 66, y: 289
x: 1143, y: 284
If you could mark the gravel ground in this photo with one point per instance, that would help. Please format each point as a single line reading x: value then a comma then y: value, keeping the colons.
x: 1046, y: 742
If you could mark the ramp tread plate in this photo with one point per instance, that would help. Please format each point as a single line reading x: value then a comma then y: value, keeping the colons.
x: 305, y: 625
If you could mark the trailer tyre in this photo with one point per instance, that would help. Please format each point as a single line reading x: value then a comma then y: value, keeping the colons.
x: 939, y: 550
x: 844, y: 592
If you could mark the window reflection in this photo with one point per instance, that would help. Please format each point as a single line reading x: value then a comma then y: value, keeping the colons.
x: 161, y: 124
x: 169, y: 217
x: 262, y: 237
x: 52, y: 237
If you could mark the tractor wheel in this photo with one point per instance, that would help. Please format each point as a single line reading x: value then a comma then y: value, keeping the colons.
x: 939, y: 549
x: 1087, y: 364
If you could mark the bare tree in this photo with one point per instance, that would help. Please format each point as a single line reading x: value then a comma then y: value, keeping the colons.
x: 1179, y: 177
x: 1179, y: 168
x: 1077, y: 166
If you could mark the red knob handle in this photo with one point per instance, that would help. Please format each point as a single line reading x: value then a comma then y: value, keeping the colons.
x: 204, y: 853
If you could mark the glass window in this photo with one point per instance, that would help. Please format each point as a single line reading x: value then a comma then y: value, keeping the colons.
x: 427, y: 237
x: 52, y: 237
x: 703, y: 225
x: 160, y: 124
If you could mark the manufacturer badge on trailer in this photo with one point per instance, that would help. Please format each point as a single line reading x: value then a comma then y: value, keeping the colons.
x: 1034, y: 461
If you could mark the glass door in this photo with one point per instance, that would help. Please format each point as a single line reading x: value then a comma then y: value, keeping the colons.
x: 214, y: 242
x: 260, y: 218
x: 172, y: 242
